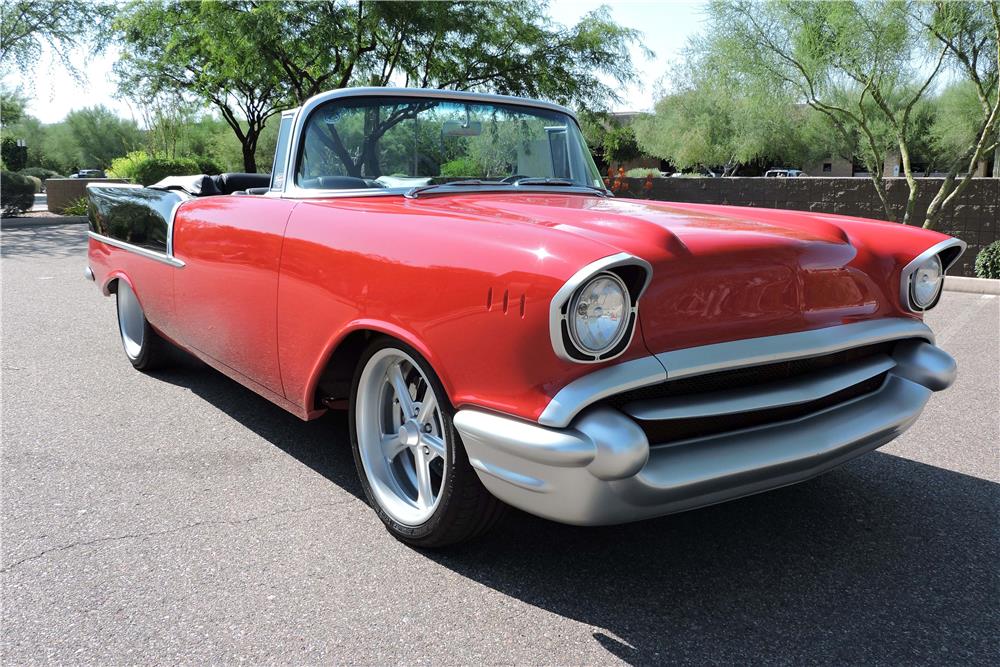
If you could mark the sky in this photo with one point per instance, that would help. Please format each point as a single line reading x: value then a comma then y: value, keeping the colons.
x: 666, y: 25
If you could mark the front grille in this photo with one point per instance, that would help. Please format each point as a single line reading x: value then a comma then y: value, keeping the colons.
x: 661, y: 432
x: 749, y: 377
x: 672, y: 430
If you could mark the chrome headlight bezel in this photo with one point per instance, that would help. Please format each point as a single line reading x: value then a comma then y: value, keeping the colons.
x: 946, y: 253
x: 632, y: 272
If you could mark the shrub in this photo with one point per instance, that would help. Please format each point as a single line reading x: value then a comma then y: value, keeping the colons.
x: 14, y: 156
x: 127, y: 167
x: 988, y: 261
x: 17, y: 193
x: 35, y: 181
x: 76, y: 207
x: 158, y: 168
x: 208, y: 165
x: 641, y: 172
x: 40, y: 173
x: 460, y: 167
x: 141, y: 167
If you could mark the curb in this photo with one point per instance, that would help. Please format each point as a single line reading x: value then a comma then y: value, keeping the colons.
x: 972, y: 285
x: 25, y: 223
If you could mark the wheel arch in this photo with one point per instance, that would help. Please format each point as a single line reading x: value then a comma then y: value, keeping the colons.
x: 333, y: 372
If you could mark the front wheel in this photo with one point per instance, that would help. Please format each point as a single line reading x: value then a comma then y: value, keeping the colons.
x: 412, y: 464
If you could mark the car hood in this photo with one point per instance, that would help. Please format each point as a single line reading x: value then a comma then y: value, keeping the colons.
x: 719, y: 272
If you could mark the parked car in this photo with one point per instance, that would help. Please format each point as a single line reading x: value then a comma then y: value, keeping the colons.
x: 784, y: 173
x: 451, y: 269
x: 88, y: 173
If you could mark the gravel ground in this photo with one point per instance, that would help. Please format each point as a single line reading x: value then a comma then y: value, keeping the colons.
x: 180, y: 518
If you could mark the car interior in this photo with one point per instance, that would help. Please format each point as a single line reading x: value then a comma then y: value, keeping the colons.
x: 203, y: 185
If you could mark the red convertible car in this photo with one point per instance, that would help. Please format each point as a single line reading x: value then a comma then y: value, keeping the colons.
x: 451, y: 269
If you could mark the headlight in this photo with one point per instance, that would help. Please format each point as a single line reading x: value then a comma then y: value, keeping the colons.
x: 925, y: 282
x: 599, y: 314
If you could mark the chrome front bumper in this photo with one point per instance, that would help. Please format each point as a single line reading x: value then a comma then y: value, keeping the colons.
x: 602, y: 469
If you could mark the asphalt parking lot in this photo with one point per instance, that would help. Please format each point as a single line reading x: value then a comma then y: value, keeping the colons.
x: 178, y: 517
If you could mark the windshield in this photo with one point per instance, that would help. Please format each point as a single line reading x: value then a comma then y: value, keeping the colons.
x: 405, y: 142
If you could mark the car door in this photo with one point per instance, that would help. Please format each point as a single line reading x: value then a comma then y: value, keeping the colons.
x: 225, y: 295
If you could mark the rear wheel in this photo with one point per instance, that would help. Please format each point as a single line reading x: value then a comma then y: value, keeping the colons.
x: 145, y: 348
x: 412, y: 464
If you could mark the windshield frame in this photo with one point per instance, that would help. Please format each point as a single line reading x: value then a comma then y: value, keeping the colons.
x: 296, y: 139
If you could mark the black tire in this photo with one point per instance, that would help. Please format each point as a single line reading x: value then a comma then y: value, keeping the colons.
x: 466, y: 509
x: 152, y: 352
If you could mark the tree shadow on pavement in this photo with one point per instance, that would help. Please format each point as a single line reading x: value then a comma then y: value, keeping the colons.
x: 45, y: 241
x: 882, y: 560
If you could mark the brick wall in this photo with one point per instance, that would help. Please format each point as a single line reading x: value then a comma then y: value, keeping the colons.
x: 61, y: 192
x: 973, y: 219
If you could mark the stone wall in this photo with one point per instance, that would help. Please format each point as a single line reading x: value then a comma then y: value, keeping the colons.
x: 61, y: 192
x: 973, y: 219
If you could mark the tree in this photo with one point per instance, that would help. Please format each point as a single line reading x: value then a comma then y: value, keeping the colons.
x: 711, y: 120
x: 12, y: 106
x: 250, y: 59
x: 64, y: 25
x: 205, y: 50
x: 844, y: 60
x: 970, y: 35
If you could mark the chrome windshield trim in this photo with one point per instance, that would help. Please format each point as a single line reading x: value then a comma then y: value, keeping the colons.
x: 907, y: 273
x: 589, y: 389
x: 565, y: 293
x: 144, y: 252
x: 306, y: 193
x: 290, y: 190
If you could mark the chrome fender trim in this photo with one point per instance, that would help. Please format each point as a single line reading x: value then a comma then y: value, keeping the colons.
x: 142, y: 252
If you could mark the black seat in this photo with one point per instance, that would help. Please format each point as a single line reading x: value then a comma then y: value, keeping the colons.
x: 229, y: 183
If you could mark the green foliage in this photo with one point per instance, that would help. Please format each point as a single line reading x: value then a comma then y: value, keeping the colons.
x: 100, y: 136
x: 36, y: 182
x: 65, y: 26
x: 14, y: 156
x: 158, y: 168
x: 275, y: 55
x: 988, y: 261
x: 76, y: 207
x: 17, y: 193
x: 642, y: 172
x: 208, y: 165
x: 40, y: 173
x: 128, y: 165
x: 140, y: 167
x: 12, y: 105
x: 462, y: 167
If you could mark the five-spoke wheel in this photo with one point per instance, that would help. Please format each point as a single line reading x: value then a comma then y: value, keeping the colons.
x: 409, y: 456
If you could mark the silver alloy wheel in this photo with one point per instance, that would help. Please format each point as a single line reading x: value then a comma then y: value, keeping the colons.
x: 401, y: 437
x: 131, y: 321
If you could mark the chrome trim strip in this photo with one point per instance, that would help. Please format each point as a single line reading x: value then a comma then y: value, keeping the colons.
x: 565, y: 293
x: 291, y: 191
x: 88, y: 273
x: 144, y: 252
x: 602, y: 383
x: 584, y: 391
x: 793, y: 391
x: 788, y: 347
x: 909, y: 269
